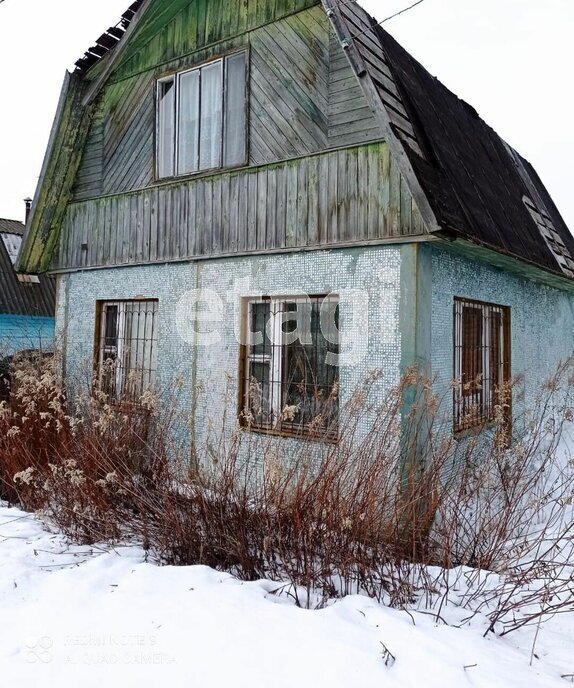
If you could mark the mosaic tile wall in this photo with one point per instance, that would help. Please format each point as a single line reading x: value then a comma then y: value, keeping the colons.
x: 205, y: 298
x: 542, y: 320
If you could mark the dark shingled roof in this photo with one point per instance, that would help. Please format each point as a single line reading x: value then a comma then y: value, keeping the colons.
x: 17, y: 298
x: 474, y: 182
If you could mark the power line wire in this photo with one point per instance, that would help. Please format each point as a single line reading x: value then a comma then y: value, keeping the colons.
x: 383, y: 21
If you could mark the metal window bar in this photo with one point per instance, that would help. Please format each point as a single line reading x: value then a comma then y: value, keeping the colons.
x: 481, y: 361
x: 127, y: 349
x: 291, y: 380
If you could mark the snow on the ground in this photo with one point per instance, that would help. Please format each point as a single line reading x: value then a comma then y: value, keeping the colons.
x: 76, y: 616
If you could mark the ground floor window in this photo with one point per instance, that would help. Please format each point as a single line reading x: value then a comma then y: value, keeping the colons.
x: 290, y: 366
x: 126, y: 348
x: 481, y: 361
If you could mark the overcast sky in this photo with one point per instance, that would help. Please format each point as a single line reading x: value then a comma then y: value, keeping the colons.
x: 511, y: 59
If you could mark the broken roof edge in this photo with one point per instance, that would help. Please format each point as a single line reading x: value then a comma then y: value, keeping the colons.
x: 108, y: 41
x: 112, y: 56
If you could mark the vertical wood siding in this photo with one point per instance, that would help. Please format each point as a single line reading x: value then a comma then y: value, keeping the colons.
x: 346, y: 196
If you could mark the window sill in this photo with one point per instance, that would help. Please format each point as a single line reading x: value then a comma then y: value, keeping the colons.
x: 200, y: 174
x: 292, y: 434
x: 474, y: 431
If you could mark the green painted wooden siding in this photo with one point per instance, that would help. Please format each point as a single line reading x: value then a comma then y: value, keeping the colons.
x: 172, y: 29
x: 348, y: 196
x: 303, y: 98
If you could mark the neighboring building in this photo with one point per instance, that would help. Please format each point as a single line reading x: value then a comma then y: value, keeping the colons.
x: 27, y: 302
x: 216, y: 167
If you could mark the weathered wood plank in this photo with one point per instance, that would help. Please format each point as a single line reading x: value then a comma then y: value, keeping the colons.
x: 346, y: 196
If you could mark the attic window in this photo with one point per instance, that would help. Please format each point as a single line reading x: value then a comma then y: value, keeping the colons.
x: 551, y: 237
x: 201, y: 118
x: 12, y: 242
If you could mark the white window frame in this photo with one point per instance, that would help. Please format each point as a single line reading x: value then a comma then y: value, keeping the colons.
x: 175, y: 78
x: 121, y: 372
x: 275, y: 358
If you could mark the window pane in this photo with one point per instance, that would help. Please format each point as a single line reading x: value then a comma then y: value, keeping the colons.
x: 258, y: 393
x: 310, y: 381
x: 472, y: 368
x: 140, y: 350
x: 482, y: 362
x: 128, y: 349
x: 109, y: 349
x: 234, y: 153
x: 211, y: 116
x: 188, y: 129
x: 495, y: 363
x: 260, y: 315
x: 166, y: 128
x: 110, y: 332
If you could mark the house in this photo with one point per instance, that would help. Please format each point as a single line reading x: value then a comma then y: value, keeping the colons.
x: 269, y: 200
x: 27, y: 302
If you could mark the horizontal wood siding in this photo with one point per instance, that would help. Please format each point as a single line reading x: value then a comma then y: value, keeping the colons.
x: 351, y: 120
x: 345, y: 196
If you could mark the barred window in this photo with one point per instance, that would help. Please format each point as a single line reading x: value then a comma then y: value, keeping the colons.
x: 481, y: 361
x: 290, y: 363
x: 126, y: 348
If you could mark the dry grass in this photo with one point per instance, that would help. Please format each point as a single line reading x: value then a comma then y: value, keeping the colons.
x: 372, y: 514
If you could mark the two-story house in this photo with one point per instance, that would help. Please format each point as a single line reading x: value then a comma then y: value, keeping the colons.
x: 270, y: 199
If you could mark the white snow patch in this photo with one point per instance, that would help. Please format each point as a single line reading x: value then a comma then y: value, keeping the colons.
x: 80, y: 616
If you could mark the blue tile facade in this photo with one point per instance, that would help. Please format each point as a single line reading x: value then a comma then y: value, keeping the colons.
x: 19, y: 332
x: 206, y: 298
x: 542, y: 319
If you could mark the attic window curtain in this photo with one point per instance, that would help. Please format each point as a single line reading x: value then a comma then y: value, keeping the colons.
x: 201, y: 118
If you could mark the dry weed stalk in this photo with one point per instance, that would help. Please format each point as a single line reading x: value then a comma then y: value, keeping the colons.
x: 373, y: 514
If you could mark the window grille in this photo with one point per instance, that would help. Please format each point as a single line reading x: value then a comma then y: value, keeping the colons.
x: 127, y: 349
x: 481, y: 361
x: 201, y: 117
x: 291, y: 374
